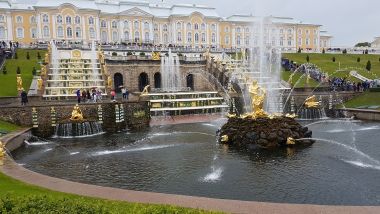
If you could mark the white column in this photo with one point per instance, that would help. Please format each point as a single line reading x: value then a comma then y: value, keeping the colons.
x: 54, y: 33
x: 97, y: 28
x: 109, y: 39
x: 9, y: 28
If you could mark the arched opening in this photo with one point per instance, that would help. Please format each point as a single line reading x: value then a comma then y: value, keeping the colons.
x: 157, y: 80
x: 118, y: 81
x: 190, y: 81
x: 143, y: 81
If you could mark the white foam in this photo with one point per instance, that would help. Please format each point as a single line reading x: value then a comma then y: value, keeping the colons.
x: 74, y: 153
x: 38, y: 143
x: 214, y: 176
x: 139, y: 149
x: 362, y: 165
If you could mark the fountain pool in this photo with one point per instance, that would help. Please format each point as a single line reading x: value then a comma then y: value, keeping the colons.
x: 186, y: 159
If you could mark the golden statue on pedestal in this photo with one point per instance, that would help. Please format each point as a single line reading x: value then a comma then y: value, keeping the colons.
x: 19, y: 82
x: 224, y: 139
x: 311, y: 102
x: 156, y: 56
x: 257, y: 96
x: 76, y: 115
x: 39, y: 83
x: 145, y: 92
x: 109, y: 82
x: 47, y: 58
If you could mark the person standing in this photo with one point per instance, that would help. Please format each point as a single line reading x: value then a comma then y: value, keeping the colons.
x: 78, y: 96
x: 24, y: 97
x: 84, y: 95
x: 113, y: 95
x: 126, y: 94
x: 124, y: 91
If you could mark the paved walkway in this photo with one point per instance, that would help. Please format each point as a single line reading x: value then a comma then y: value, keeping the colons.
x: 16, y: 171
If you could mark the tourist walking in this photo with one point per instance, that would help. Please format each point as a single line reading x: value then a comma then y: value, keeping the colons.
x: 24, y: 97
x: 78, y: 96
x: 88, y: 96
x: 113, y: 95
x: 84, y: 95
x: 94, y: 95
x: 99, y: 95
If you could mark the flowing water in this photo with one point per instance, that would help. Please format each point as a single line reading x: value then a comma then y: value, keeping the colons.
x: 170, y: 71
x: 186, y: 159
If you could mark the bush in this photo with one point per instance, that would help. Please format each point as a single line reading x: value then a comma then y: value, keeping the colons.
x: 368, y: 66
x: 38, y: 55
x: 180, y: 54
x: 142, y: 53
x: 18, y: 71
x: 114, y: 54
x: 16, y: 56
x: 333, y: 59
x: 344, y: 51
x: 358, y: 60
x: 323, y: 51
x: 34, y: 71
x: 5, y: 70
x: 27, y: 55
x: 129, y: 53
x: 307, y: 58
x: 299, y: 50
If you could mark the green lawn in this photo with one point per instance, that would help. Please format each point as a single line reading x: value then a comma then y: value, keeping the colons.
x: 8, y: 84
x: 348, y: 62
x: 19, y: 197
x: 8, y: 127
x: 298, y: 80
x: 368, y: 99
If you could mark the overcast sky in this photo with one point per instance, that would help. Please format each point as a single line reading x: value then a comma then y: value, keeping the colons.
x: 348, y: 21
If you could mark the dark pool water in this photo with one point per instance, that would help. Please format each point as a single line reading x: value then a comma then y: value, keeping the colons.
x: 341, y: 168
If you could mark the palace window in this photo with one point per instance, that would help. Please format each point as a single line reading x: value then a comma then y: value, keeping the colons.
x: 59, y: 19
x: 33, y: 33
x: 2, y: 19
x: 179, y: 37
x: 299, y: 31
x: 146, y: 26
x: 126, y: 24
x: 156, y: 38
x: 213, y: 27
x: 300, y: 41
x: 307, y: 41
x: 19, y: 19
x: 60, y: 32
x: 290, y: 31
x: 77, y: 20
x: 213, y: 38
x: 136, y: 25
x: 238, y: 30
x: 166, y: 38
x: 281, y: 31
x: 281, y: 41
x: 247, y: 40
x: 92, y: 33
x: 203, y: 26
x: 315, y: 41
x: 273, y: 41
x: 69, y: 32
x: 196, y: 26
x: 147, y: 36
x: 68, y: 19
x: 165, y: 27
x: 203, y: 37
x: 20, y: 33
x: 179, y: 25
x: 155, y: 28
x: 227, y: 29
x: 91, y: 20
x: 227, y: 40
x: 137, y: 36
x: 247, y: 30
x: 290, y: 41
x: 46, y: 31
x: 103, y: 23
x: 45, y: 18
x: 188, y: 27
x: 104, y: 36
x: 238, y: 40
x: 2, y: 32
x: 114, y: 24
x: 78, y: 32
x: 33, y: 19
x: 126, y: 35
x: 115, y: 36
x: 196, y: 38
x: 189, y: 37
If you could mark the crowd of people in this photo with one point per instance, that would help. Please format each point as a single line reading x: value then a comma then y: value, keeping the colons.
x: 94, y: 95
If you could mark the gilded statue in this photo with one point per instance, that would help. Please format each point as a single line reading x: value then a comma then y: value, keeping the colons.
x: 145, y: 92
x: 224, y: 139
x: 311, y: 102
x: 109, y: 81
x: 47, y: 58
x: 290, y: 141
x: 76, y: 114
x: 39, y: 83
x: 19, y: 83
x: 2, y: 150
x: 156, y: 56
x: 43, y: 70
x: 258, y: 97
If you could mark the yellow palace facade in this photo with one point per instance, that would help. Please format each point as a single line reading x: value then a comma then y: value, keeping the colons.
x: 129, y: 21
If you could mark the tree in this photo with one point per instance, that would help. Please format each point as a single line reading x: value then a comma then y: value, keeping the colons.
x: 16, y: 56
x: 358, y: 60
x: 299, y: 50
x: 307, y: 58
x: 344, y: 51
x: 5, y: 70
x: 38, y: 55
x: 27, y: 55
x: 323, y: 51
x: 18, y: 71
x: 363, y: 44
x: 366, y: 51
x: 333, y: 59
x: 368, y: 66
x: 34, y: 71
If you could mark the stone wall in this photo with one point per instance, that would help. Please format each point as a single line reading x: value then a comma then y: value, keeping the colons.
x: 136, y: 116
x: 131, y: 71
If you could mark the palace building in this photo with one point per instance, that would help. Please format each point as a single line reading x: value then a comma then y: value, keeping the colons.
x: 129, y: 21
